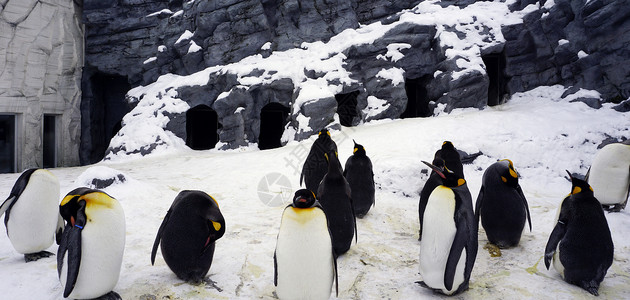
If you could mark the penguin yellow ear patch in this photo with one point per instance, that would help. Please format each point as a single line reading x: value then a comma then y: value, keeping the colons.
x: 461, y: 182
x: 513, y: 173
x: 576, y: 190
x: 503, y: 179
x: 355, y: 150
x: 326, y: 155
x: 216, y: 225
x: 590, y: 188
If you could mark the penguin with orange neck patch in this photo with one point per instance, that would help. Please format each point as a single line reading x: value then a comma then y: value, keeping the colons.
x: 188, y: 234
x: 92, y: 244
x: 580, y: 245
x: 501, y: 205
x: 305, y: 264
x: 449, y: 235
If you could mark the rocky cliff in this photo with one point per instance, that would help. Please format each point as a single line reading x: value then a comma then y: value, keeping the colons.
x: 426, y: 56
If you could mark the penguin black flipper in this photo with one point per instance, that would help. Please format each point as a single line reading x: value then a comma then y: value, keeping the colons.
x: 74, y: 249
x: 556, y: 235
x: 275, y: 269
x: 336, y: 275
x: 158, y: 237
x: 529, y: 218
x: 59, y: 231
x: 14, y: 195
x: 5, y: 207
x: 479, y: 204
x: 460, y: 242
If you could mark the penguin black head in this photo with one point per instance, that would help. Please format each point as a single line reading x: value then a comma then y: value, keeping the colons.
x: 324, y: 133
x: 216, y: 222
x: 449, y: 178
x: 359, y: 150
x: 509, y: 176
x: 579, y: 186
x: 447, y: 145
x: 73, y: 206
x: 304, y: 199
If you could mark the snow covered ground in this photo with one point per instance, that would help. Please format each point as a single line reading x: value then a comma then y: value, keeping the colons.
x: 542, y: 135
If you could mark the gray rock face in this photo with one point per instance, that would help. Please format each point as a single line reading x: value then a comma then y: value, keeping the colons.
x: 428, y: 65
x: 572, y: 43
x: 41, y: 54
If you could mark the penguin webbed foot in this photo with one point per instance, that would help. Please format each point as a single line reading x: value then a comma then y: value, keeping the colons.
x: 109, y: 296
x: 36, y: 256
x: 209, y: 284
x: 613, y: 208
x: 590, y: 286
x: 493, y: 250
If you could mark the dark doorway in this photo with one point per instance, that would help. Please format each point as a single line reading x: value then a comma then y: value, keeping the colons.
x: 202, y: 128
x: 347, y: 108
x: 107, y: 108
x: 495, y: 66
x: 7, y: 143
x: 417, y: 100
x: 50, y: 141
x: 273, y: 118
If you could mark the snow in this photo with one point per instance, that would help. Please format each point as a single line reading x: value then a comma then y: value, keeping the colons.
x: 543, y: 135
x: 187, y: 35
x: 396, y: 75
x: 194, y: 47
x: 582, y: 54
x: 375, y: 106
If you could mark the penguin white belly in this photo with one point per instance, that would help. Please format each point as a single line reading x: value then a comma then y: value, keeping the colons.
x: 557, y: 264
x: 33, y: 218
x: 304, y: 255
x: 437, y: 239
x: 610, y: 174
x: 102, y: 247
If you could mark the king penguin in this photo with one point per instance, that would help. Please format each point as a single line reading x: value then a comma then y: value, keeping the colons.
x: 335, y: 197
x: 501, y: 205
x: 305, y: 264
x: 188, y: 234
x: 580, y: 244
x: 91, y: 248
x: 609, y: 175
x: 316, y: 165
x: 446, y: 156
x: 32, y: 215
x: 449, y: 245
x: 358, y: 172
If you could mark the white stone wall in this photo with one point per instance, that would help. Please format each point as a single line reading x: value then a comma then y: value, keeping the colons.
x: 41, y: 59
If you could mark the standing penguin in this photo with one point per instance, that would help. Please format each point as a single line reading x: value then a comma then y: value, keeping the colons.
x: 305, y: 264
x: 609, y: 175
x: 501, y: 205
x: 335, y: 197
x: 31, y: 213
x: 447, y: 156
x: 92, y: 245
x: 188, y: 234
x: 316, y: 165
x: 449, y: 245
x: 580, y: 244
x: 358, y: 172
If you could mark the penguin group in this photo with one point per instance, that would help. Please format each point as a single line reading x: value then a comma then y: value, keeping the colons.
x: 319, y: 225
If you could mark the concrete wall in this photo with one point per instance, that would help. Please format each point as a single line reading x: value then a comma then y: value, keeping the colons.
x: 41, y: 58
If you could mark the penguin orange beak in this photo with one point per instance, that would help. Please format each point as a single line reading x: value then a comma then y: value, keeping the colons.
x: 302, y: 200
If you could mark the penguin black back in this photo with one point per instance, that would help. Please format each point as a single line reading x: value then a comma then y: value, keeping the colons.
x: 335, y: 197
x: 358, y: 172
x: 583, y: 239
x: 316, y: 164
x: 451, y: 157
x: 188, y: 234
x: 501, y: 205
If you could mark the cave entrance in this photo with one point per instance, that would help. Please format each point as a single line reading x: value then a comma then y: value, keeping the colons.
x: 107, y: 108
x: 347, y: 108
x: 495, y: 68
x: 202, y: 128
x: 417, y: 99
x: 273, y: 118
x: 50, y: 141
x: 7, y: 143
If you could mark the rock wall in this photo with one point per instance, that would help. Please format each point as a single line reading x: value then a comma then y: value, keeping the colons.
x: 572, y: 42
x: 436, y: 51
x: 41, y: 55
